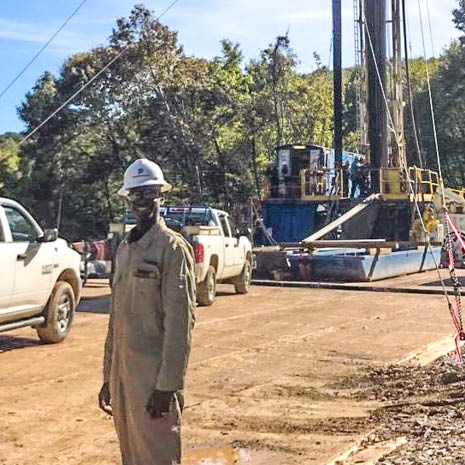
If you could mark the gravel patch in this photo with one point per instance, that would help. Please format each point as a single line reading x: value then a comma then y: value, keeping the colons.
x: 424, y: 404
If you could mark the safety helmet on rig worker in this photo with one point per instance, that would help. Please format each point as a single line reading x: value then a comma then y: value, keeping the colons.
x: 142, y: 173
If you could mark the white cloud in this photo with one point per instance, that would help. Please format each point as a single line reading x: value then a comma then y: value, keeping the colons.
x: 313, y: 15
x: 15, y: 30
x: 67, y: 41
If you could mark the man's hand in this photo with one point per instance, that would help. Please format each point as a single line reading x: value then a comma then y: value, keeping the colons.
x: 104, y: 399
x: 159, y: 403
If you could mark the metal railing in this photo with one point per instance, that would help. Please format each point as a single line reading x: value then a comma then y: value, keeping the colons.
x: 424, y: 183
x: 322, y: 184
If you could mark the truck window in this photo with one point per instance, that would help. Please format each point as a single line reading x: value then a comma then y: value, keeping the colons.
x: 224, y: 226
x: 21, y: 229
x: 2, y: 235
x: 232, y: 226
x: 187, y: 216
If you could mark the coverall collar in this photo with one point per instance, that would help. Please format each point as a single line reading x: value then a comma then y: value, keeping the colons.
x: 148, y: 237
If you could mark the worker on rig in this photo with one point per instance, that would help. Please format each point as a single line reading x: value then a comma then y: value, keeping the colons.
x: 149, y: 334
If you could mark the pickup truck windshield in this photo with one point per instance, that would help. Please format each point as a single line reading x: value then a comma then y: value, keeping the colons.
x: 188, y: 216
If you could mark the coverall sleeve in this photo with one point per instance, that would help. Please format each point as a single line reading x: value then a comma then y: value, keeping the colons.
x: 108, y: 353
x: 178, y: 300
x: 108, y: 347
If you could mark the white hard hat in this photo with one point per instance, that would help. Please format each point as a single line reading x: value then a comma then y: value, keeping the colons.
x: 142, y: 173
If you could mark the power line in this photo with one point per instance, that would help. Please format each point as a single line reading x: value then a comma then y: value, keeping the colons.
x: 124, y: 50
x: 29, y: 63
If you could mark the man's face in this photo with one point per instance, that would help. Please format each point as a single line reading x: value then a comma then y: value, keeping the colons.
x: 144, y: 202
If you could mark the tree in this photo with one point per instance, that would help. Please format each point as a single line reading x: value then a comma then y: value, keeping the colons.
x: 9, y: 164
x: 448, y: 92
x: 459, y: 18
x: 213, y: 125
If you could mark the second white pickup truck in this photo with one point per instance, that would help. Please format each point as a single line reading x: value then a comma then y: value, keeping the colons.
x: 222, y: 253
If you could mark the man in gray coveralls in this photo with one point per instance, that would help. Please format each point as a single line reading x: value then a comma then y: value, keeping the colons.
x: 149, y: 334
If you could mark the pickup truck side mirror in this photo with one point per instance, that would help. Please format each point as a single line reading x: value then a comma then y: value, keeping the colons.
x: 50, y: 235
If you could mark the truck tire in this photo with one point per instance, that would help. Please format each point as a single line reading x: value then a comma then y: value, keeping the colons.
x: 206, y: 290
x: 59, y: 314
x: 242, y: 282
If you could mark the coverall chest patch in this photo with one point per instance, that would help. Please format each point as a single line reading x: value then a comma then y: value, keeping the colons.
x: 146, y: 271
x: 145, y: 274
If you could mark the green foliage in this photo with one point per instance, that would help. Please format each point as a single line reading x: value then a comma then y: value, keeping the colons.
x: 448, y: 95
x: 212, y: 125
x: 459, y: 18
x: 10, y: 172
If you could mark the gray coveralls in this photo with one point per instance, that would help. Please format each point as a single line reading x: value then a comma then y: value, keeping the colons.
x: 148, y: 342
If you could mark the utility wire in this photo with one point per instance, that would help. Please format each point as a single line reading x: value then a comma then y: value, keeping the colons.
x: 124, y: 50
x: 29, y: 63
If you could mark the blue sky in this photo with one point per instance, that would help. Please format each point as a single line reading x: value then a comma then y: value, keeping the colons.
x: 25, y: 25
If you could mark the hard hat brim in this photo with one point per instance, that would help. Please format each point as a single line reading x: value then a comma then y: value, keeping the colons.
x: 165, y: 186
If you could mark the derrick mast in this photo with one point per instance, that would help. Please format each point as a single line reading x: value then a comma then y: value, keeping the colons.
x: 337, y: 80
x: 375, y: 40
x: 361, y: 88
x: 397, y: 143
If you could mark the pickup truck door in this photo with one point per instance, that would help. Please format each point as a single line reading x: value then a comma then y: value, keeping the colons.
x: 34, y: 263
x: 229, y: 242
x: 8, y: 262
x: 238, y: 251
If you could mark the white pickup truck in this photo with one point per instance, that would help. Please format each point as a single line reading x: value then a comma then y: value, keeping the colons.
x: 40, y: 284
x: 222, y: 253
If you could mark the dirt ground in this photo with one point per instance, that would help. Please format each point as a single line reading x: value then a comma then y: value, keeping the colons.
x: 423, y: 405
x: 286, y: 376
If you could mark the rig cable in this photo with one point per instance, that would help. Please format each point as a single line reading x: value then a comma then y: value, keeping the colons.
x: 409, y: 89
x: 455, y: 310
x: 428, y: 80
x: 403, y: 160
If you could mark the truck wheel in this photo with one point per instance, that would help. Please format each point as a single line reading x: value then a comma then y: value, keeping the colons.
x: 58, y: 314
x: 206, y: 290
x: 242, y: 282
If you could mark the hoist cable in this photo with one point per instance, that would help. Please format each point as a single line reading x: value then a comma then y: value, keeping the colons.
x: 456, y: 311
x: 433, y: 119
x: 430, y: 29
x: 409, y: 89
x: 403, y: 161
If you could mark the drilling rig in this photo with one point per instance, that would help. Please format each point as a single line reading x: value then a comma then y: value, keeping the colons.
x: 313, y: 204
